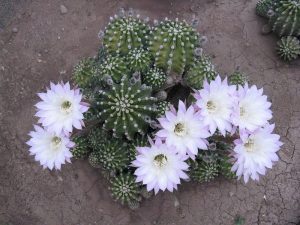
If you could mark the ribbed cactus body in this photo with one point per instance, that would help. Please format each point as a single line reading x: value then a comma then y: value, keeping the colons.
x: 81, y: 148
x: 263, y: 7
x: 288, y: 48
x: 238, y: 78
x: 126, y: 108
x: 286, y: 18
x: 114, y: 67
x: 200, y: 71
x: 125, y: 33
x: 172, y: 44
x: 154, y: 78
x: 162, y: 107
x: 204, y: 171
x: 138, y: 60
x: 84, y: 72
x: 124, y: 188
x: 97, y: 136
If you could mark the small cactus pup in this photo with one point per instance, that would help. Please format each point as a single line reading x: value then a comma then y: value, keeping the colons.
x: 200, y: 71
x: 97, y: 136
x: 84, y: 72
x: 113, y: 67
x: 172, y: 44
x: 81, y: 148
x: 111, y: 155
x: 238, y: 78
x: 138, y: 60
x: 127, y: 108
x: 286, y: 18
x: 263, y: 7
x: 288, y: 48
x: 155, y: 78
x: 125, y: 189
x: 162, y: 107
x: 125, y: 33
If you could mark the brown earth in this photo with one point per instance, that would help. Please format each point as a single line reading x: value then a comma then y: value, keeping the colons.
x: 45, y: 47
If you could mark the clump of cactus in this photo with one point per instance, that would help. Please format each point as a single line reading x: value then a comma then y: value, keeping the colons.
x: 172, y: 44
x: 288, y: 48
x: 124, y: 34
x: 125, y: 189
x: 127, y: 108
x: 200, y: 71
x: 284, y: 20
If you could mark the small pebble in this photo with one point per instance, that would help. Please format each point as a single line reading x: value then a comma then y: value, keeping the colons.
x: 266, y: 29
x: 63, y: 9
x: 15, y: 30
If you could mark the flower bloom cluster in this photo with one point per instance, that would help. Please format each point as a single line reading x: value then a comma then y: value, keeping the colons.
x: 241, y: 111
x: 59, y: 111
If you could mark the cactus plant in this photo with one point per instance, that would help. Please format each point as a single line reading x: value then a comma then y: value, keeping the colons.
x: 162, y: 107
x: 81, y: 148
x: 201, y: 70
x: 84, y: 72
x: 154, y: 78
x: 114, y: 67
x: 263, y: 7
x: 111, y: 155
x: 125, y: 33
x: 238, y: 78
x: 204, y: 170
x: 172, y: 44
x: 94, y: 160
x: 288, y: 48
x: 126, y: 108
x: 124, y: 188
x: 138, y: 59
x: 286, y: 18
x: 97, y: 136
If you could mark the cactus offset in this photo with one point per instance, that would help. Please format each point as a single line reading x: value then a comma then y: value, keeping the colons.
x: 125, y: 33
x: 94, y: 160
x: 162, y: 107
x: 81, y: 148
x: 201, y: 70
x: 154, y: 78
x: 111, y: 155
x: 114, y: 67
x: 286, y: 18
x: 238, y: 78
x: 97, y: 136
x: 172, y: 44
x: 124, y: 188
x: 138, y: 60
x: 127, y: 108
x: 204, y: 170
x: 84, y: 72
x: 288, y: 48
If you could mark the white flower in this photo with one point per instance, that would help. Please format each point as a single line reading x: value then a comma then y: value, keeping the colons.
x: 252, y: 109
x: 61, y: 109
x: 184, y: 130
x: 255, y: 152
x: 216, y: 102
x: 49, y: 149
x: 159, y: 167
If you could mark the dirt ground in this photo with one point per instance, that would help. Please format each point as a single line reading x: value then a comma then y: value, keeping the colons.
x: 39, y: 44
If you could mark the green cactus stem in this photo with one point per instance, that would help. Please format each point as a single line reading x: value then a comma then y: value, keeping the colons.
x: 154, y: 78
x: 81, y: 148
x: 138, y: 60
x: 288, y: 48
x: 238, y: 78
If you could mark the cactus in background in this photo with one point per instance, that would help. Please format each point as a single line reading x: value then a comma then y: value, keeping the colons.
x: 125, y: 33
x: 111, y: 155
x: 84, y: 72
x: 81, y: 148
x: 238, y: 78
x: 201, y: 70
x: 138, y: 60
x: 154, y: 78
x: 288, y: 48
x: 263, y: 7
x: 126, y: 108
x: 162, y: 107
x: 139, y: 141
x: 286, y: 18
x: 125, y: 189
x: 172, y: 44
x: 114, y: 67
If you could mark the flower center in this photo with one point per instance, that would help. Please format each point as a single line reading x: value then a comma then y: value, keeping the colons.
x: 55, y: 143
x: 66, y: 107
x: 249, y: 145
x: 160, y: 160
x: 180, y: 129
x: 211, y: 106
